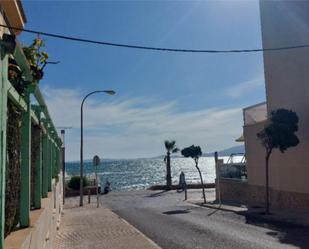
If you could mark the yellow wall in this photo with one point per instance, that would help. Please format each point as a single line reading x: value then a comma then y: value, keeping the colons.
x: 284, y: 23
x: 288, y: 171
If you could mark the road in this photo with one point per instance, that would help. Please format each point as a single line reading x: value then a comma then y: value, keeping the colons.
x: 175, y: 224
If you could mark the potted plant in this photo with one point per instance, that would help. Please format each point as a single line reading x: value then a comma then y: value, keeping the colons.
x: 37, y: 59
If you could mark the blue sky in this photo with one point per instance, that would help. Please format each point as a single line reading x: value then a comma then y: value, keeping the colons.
x: 193, y: 98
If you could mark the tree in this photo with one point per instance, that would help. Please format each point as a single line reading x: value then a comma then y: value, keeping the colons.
x: 195, y: 152
x: 279, y: 133
x: 170, y: 147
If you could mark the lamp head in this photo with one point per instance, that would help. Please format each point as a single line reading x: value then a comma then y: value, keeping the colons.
x: 110, y: 92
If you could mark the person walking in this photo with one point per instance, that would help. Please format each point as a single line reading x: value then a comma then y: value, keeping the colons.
x: 182, y: 181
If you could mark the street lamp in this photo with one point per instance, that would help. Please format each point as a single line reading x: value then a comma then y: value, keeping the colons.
x: 110, y: 92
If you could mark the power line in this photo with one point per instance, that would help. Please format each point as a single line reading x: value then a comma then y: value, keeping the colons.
x: 122, y: 45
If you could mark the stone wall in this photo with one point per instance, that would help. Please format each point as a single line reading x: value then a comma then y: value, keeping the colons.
x: 240, y: 192
x: 244, y: 193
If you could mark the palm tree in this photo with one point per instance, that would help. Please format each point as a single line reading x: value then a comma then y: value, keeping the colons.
x: 170, y: 147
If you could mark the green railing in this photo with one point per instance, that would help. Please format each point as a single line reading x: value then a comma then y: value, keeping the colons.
x: 46, y: 163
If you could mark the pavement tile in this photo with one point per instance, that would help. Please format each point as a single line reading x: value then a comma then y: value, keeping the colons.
x: 90, y: 227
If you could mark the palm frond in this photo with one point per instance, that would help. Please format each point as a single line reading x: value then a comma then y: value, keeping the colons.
x: 175, y: 150
x: 169, y: 144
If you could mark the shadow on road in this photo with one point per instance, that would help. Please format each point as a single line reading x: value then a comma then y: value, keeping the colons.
x: 176, y: 212
x: 157, y: 194
x: 180, y: 211
x: 286, y: 233
x: 215, y: 211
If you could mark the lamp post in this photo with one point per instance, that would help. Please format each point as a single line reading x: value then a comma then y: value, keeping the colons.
x: 110, y: 92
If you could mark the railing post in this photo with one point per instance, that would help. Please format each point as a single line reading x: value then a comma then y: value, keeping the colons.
x: 49, y: 165
x: 45, y: 166
x: 51, y: 159
x: 38, y: 166
x: 54, y: 160
x: 3, y: 126
x: 25, y: 163
x: 59, y: 159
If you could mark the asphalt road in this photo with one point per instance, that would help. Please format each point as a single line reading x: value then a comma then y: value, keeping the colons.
x: 175, y: 224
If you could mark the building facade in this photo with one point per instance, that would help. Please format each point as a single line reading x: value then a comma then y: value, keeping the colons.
x: 283, y: 24
x: 30, y: 148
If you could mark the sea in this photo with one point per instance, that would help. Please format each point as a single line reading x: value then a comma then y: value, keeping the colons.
x: 133, y: 174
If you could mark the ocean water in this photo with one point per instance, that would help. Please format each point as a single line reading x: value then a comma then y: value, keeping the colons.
x: 129, y: 174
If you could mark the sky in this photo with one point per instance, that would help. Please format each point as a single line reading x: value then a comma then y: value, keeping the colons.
x: 191, y: 98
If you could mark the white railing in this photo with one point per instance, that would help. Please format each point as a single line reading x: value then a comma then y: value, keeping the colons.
x: 232, y: 169
x: 254, y: 114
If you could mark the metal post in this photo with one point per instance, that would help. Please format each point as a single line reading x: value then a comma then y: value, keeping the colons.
x: 110, y: 92
x: 51, y: 168
x: 217, y: 177
x: 59, y: 158
x: 52, y: 153
x: 25, y: 164
x: 54, y: 160
x: 49, y: 165
x: 81, y: 187
x: 45, y: 166
x: 63, y: 165
x: 96, y: 162
x: 96, y: 184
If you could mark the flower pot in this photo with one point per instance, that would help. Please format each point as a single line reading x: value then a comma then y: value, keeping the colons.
x: 37, y: 73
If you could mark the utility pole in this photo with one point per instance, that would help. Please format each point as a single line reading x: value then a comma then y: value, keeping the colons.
x: 96, y: 162
x: 63, y: 129
x: 218, y: 191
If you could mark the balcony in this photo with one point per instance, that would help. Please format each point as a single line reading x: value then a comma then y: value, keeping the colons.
x: 255, y: 114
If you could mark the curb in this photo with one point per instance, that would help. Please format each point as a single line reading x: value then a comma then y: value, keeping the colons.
x: 214, y: 207
x: 258, y: 217
x: 138, y: 231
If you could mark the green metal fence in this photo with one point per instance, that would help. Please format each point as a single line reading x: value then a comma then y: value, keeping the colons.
x: 44, y: 159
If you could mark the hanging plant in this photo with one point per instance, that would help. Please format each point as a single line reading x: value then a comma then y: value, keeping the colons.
x: 36, y: 58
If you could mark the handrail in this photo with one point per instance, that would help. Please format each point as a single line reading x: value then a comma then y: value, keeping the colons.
x: 39, y: 97
x: 243, y: 159
x: 22, y: 62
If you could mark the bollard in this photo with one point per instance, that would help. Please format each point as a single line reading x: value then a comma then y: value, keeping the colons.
x: 88, y: 195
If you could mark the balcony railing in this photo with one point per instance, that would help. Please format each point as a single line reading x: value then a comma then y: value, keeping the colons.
x: 234, y: 168
x: 254, y: 114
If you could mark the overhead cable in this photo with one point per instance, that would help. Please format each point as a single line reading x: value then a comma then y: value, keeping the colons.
x: 164, y: 49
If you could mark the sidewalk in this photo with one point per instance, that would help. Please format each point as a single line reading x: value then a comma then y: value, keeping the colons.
x: 281, y: 217
x: 90, y: 227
